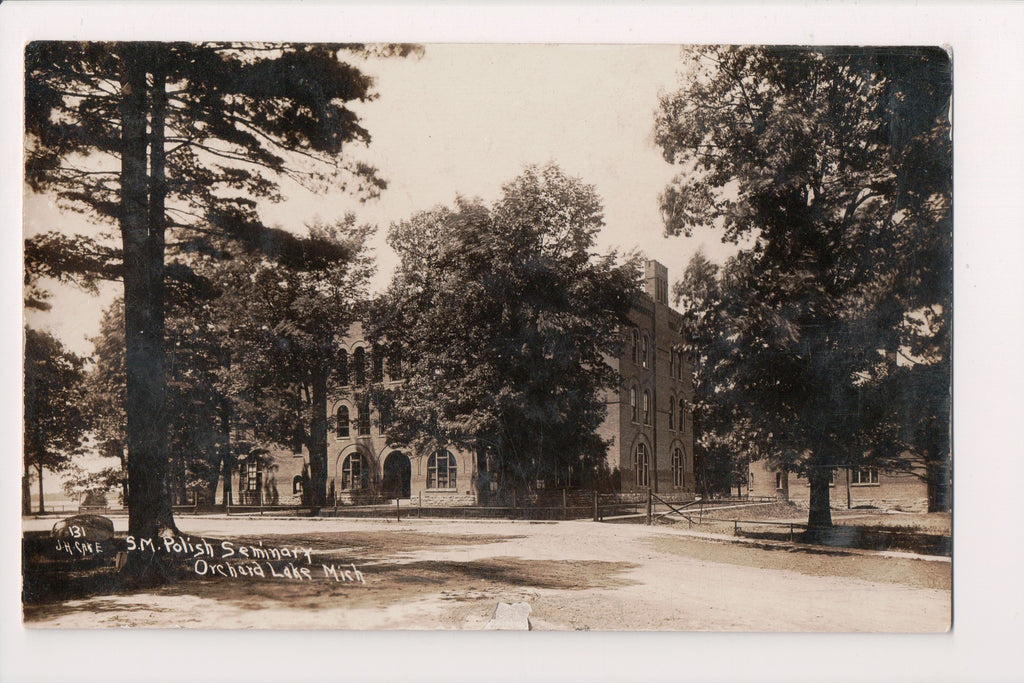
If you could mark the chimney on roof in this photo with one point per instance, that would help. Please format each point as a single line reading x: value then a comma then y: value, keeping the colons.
x: 656, y: 277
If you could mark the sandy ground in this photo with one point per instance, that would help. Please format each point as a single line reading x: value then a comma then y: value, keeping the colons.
x: 450, y: 574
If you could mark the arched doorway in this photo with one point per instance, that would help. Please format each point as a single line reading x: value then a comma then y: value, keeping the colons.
x: 397, y: 476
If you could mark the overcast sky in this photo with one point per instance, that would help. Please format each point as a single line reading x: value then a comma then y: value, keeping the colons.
x: 465, y: 119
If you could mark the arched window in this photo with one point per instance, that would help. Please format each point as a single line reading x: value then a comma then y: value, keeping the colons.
x: 633, y: 410
x: 253, y: 474
x: 672, y: 362
x: 352, y: 474
x: 343, y: 368
x: 441, y: 471
x: 384, y: 417
x: 359, y: 361
x: 672, y: 413
x: 635, y: 346
x: 641, y: 465
x: 646, y: 351
x: 677, y: 467
x: 377, y: 360
x: 343, y: 422
x: 250, y: 484
x: 647, y: 407
x: 363, y: 417
x: 297, y: 485
x: 395, y: 364
x: 682, y: 414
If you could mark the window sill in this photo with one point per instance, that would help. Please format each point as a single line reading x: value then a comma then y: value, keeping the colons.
x: 869, y: 484
x: 452, y: 490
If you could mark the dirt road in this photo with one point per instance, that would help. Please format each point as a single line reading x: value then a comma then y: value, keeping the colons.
x: 439, y: 574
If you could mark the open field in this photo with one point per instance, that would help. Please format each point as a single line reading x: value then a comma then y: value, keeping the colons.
x: 432, y: 574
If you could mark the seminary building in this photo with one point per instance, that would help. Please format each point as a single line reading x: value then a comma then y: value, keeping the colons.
x: 649, y: 424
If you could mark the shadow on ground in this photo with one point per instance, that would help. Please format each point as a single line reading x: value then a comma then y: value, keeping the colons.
x: 55, y: 587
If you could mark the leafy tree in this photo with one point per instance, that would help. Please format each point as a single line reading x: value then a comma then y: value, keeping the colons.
x: 503, y: 317
x: 55, y: 425
x: 91, y: 488
x: 105, y: 389
x: 826, y: 167
x: 196, y: 133
x: 720, y: 451
x: 284, y: 328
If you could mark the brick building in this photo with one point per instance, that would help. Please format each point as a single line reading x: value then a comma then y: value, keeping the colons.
x: 649, y: 424
x: 848, y: 487
x: 650, y: 420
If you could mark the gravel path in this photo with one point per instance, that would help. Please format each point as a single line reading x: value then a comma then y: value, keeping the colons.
x: 449, y: 574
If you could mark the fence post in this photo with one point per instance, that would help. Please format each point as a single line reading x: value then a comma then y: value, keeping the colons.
x: 565, y: 505
x: 650, y: 506
x: 398, y: 509
x: 513, y: 503
x: 735, y: 527
x: 595, y: 506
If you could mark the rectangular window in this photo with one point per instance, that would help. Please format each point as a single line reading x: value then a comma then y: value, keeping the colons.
x: 251, y: 476
x: 364, y: 418
x: 863, y: 476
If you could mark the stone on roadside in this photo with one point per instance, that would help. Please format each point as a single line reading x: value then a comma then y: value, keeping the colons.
x: 84, y: 528
x: 514, y: 617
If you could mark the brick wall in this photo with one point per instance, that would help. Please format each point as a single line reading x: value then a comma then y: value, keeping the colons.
x: 894, y: 490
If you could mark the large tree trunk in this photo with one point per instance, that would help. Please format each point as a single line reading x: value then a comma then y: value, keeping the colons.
x: 26, y: 491
x: 225, y: 449
x: 318, y: 441
x: 820, y: 513
x: 937, y: 473
x: 42, y: 506
x: 124, y: 475
x: 149, y: 509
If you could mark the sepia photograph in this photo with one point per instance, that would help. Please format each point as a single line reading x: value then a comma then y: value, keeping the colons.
x: 487, y: 336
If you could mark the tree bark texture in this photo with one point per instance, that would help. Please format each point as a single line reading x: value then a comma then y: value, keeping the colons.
x: 225, y: 449
x: 318, y: 441
x: 940, y: 498
x: 820, y: 513
x: 42, y: 506
x: 26, y: 493
x: 149, y: 509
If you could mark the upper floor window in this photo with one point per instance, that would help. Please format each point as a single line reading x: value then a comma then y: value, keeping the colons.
x: 645, y: 352
x: 677, y: 467
x: 635, y: 346
x: 679, y: 363
x: 377, y: 361
x: 647, y: 407
x: 395, y: 364
x: 359, y: 365
x: 634, y: 414
x: 441, y: 471
x: 363, y: 417
x: 682, y: 414
x: 343, y: 368
x: 343, y: 422
x: 672, y: 413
